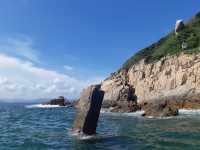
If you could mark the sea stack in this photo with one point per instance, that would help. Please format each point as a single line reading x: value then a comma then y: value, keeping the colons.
x: 89, y: 107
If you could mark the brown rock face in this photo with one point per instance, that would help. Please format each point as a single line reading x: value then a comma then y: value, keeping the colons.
x: 89, y: 107
x: 119, y: 95
x: 186, y: 102
x: 173, y: 78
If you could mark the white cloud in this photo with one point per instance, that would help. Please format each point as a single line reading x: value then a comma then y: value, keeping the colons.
x: 20, y: 47
x: 20, y: 79
x: 68, y: 68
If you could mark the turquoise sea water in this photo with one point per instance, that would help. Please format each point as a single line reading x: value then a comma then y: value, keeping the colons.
x: 23, y: 128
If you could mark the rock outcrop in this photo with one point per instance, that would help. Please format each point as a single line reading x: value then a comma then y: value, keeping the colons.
x: 166, y: 71
x: 61, y: 101
x: 173, y: 78
x: 58, y: 101
x: 119, y: 95
x: 159, y: 109
x: 179, y: 26
x: 89, y: 107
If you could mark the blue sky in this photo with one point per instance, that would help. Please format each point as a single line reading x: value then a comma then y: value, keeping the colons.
x: 84, y: 40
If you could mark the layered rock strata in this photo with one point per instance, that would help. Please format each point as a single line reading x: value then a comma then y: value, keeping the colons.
x: 175, y: 79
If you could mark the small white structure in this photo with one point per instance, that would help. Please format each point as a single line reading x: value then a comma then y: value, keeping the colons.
x: 179, y: 26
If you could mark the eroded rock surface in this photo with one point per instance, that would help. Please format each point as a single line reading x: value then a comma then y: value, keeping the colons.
x: 173, y: 78
x: 88, y: 110
x: 119, y: 95
x: 159, y: 109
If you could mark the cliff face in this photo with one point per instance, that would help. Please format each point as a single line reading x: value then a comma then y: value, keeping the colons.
x: 172, y: 78
x: 160, y: 76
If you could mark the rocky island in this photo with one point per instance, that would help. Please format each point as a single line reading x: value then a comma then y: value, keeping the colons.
x: 60, y: 101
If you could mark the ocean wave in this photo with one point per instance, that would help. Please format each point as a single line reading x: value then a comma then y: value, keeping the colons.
x: 189, y: 111
x: 182, y: 112
x: 133, y: 114
x: 43, y: 106
x: 81, y: 136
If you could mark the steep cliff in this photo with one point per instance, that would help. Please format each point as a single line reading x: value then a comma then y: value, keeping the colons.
x: 173, y: 78
x: 168, y: 70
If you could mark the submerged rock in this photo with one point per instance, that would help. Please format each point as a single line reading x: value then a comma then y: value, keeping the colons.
x: 89, y: 107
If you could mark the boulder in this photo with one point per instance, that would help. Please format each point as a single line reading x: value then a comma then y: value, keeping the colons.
x: 159, y: 109
x: 89, y: 107
x: 179, y: 26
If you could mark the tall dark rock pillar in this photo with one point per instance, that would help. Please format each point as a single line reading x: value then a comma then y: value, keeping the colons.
x: 89, y: 107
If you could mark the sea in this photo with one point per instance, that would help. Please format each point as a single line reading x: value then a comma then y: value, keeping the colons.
x: 38, y: 127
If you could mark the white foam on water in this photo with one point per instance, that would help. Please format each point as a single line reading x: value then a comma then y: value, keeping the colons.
x: 189, y: 111
x: 43, y: 106
x: 152, y: 117
x: 105, y: 110
x: 133, y: 114
x: 87, y: 137
x: 182, y: 112
x: 80, y: 136
x: 72, y: 133
x: 137, y: 114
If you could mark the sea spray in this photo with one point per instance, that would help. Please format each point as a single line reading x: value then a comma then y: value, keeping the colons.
x: 43, y: 106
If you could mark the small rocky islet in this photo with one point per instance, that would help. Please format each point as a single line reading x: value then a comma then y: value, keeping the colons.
x: 160, y: 79
x: 60, y: 101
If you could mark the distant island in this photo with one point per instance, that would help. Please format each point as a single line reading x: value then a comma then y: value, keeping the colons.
x: 60, y: 101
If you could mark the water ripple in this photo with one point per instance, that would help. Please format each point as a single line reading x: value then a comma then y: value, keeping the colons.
x: 47, y: 129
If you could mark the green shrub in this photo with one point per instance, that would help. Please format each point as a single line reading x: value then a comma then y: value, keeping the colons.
x: 170, y: 44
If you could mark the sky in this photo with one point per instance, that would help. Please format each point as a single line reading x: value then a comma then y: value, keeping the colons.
x: 50, y: 48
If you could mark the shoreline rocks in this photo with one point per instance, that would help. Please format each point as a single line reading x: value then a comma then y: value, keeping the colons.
x: 159, y: 109
x: 173, y: 78
x: 119, y: 95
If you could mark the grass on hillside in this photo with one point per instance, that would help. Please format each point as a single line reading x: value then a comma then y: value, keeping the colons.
x: 171, y: 44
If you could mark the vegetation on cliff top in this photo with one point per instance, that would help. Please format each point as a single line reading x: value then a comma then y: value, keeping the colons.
x: 171, y: 44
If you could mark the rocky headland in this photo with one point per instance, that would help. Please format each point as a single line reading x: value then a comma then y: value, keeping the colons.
x: 173, y: 79
x: 161, y: 78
